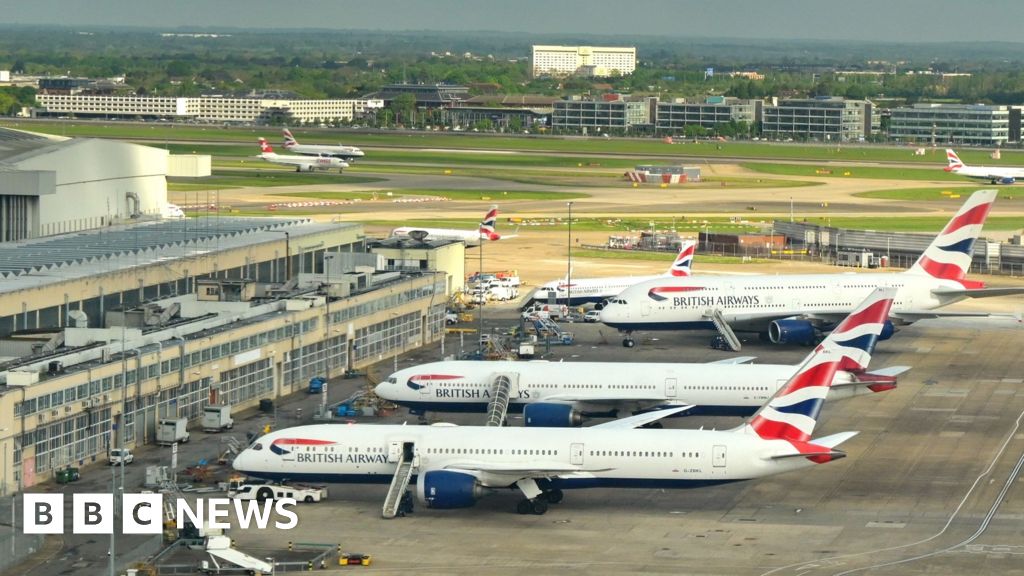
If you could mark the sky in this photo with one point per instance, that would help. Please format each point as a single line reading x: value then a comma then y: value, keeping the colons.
x: 870, y: 20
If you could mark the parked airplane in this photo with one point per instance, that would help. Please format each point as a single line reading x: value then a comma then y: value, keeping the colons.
x: 301, y: 163
x: 346, y: 153
x: 454, y: 465
x: 597, y: 290
x: 564, y: 393
x: 470, y: 237
x: 796, y: 308
x: 994, y: 174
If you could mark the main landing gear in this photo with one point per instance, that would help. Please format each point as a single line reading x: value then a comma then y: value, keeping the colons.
x: 539, y: 505
x: 627, y: 340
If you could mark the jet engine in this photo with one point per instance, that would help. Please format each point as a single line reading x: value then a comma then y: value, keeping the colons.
x: 447, y: 489
x: 792, y: 332
x: 549, y: 415
x: 1007, y: 180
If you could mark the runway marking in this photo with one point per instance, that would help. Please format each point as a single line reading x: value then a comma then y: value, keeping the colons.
x: 886, y: 524
x: 933, y: 409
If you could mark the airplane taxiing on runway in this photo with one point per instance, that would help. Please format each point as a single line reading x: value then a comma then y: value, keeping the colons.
x: 453, y: 466
x: 301, y: 163
x: 345, y: 153
x: 486, y: 231
x: 797, y: 308
x: 994, y: 174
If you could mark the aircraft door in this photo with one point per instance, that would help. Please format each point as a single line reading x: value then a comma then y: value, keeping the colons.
x: 645, y: 309
x: 718, y: 456
x: 576, y: 454
x: 394, y: 452
x: 670, y: 387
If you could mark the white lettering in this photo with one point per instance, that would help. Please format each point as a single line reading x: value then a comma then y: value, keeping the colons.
x: 217, y: 508
x: 282, y: 507
x: 246, y: 510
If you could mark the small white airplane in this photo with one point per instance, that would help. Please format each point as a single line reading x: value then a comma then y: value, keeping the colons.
x: 486, y: 231
x: 564, y: 393
x: 453, y: 466
x: 994, y: 174
x: 598, y: 290
x: 301, y: 163
x: 796, y: 308
x: 346, y: 153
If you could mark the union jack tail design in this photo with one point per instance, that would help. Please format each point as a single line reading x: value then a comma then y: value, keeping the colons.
x: 487, y: 226
x: 953, y: 162
x: 948, y: 257
x: 289, y: 140
x: 684, y: 261
x: 792, y: 413
x: 265, y: 146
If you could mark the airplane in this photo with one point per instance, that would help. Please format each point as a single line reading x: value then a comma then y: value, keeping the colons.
x: 597, y: 290
x: 453, y: 466
x: 994, y: 174
x: 301, y: 163
x: 554, y: 394
x: 470, y: 237
x: 346, y: 153
x: 797, y: 308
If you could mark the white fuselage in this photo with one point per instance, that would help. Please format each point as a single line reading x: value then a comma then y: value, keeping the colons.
x: 343, y: 152
x: 583, y: 457
x: 305, y: 163
x: 596, y: 387
x: 588, y: 289
x: 748, y: 302
x: 470, y: 237
x: 991, y: 173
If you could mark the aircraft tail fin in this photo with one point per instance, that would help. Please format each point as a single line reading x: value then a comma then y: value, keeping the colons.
x: 265, y: 146
x: 953, y: 162
x: 949, y: 255
x: 792, y: 412
x: 683, y: 264
x: 487, y: 226
x: 289, y: 140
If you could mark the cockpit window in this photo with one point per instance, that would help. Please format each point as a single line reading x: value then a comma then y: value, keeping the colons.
x: 392, y: 380
x: 257, y: 446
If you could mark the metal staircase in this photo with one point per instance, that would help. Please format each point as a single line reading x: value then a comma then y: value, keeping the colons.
x: 399, y: 485
x: 548, y: 329
x: 724, y: 329
x: 501, y: 395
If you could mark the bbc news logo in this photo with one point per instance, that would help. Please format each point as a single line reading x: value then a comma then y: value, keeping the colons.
x: 142, y: 513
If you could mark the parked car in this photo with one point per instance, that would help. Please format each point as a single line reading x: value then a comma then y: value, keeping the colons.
x: 592, y: 316
x: 451, y: 318
x: 118, y: 455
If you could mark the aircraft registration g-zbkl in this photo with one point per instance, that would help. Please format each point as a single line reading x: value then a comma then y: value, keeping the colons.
x: 486, y: 231
x: 453, y: 466
x: 564, y: 393
x: 796, y: 308
x: 301, y: 163
x: 346, y: 153
x: 598, y: 290
x: 994, y: 174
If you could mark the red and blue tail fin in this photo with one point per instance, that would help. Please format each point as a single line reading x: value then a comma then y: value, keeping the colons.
x: 684, y: 261
x: 792, y: 413
x: 948, y: 257
x: 487, y: 226
x: 289, y: 140
x: 953, y: 162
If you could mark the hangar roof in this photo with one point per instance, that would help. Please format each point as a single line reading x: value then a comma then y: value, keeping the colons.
x: 14, y: 143
x: 54, y: 259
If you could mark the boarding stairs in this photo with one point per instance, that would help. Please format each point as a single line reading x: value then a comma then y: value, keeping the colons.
x: 501, y: 396
x: 232, y: 448
x: 550, y: 331
x: 219, y: 547
x: 399, y: 484
x: 724, y: 329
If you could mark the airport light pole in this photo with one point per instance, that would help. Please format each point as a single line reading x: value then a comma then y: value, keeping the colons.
x: 568, y: 271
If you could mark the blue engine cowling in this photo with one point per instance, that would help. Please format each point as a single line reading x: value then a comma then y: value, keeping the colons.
x: 446, y: 489
x: 1007, y: 180
x: 548, y: 415
x: 792, y: 332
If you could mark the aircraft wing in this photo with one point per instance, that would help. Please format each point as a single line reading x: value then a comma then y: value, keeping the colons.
x: 571, y: 399
x: 910, y: 316
x: 642, y: 419
x: 736, y: 360
x: 977, y: 292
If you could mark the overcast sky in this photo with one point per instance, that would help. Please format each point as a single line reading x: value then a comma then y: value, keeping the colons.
x: 877, y: 20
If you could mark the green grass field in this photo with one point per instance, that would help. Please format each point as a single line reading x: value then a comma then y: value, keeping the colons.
x: 871, y: 172
x: 950, y: 194
x: 663, y: 257
x: 227, y: 179
x: 156, y: 132
x: 485, y: 195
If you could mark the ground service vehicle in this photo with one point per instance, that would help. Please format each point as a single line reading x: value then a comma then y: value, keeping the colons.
x: 217, y: 418
x: 256, y: 491
x: 120, y: 455
x: 171, y: 430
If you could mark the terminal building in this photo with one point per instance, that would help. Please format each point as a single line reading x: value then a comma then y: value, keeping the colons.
x: 579, y: 115
x: 970, y: 124
x: 826, y: 118
x: 715, y: 110
x: 583, y: 60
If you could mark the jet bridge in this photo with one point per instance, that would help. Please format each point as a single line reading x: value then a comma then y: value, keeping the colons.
x: 724, y: 329
x: 404, y: 453
x: 504, y: 386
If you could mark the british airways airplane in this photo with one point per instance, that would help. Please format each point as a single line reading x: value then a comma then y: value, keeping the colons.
x: 486, y: 231
x: 453, y: 466
x: 598, y: 290
x: 994, y: 174
x: 346, y: 153
x: 564, y: 393
x: 797, y: 308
